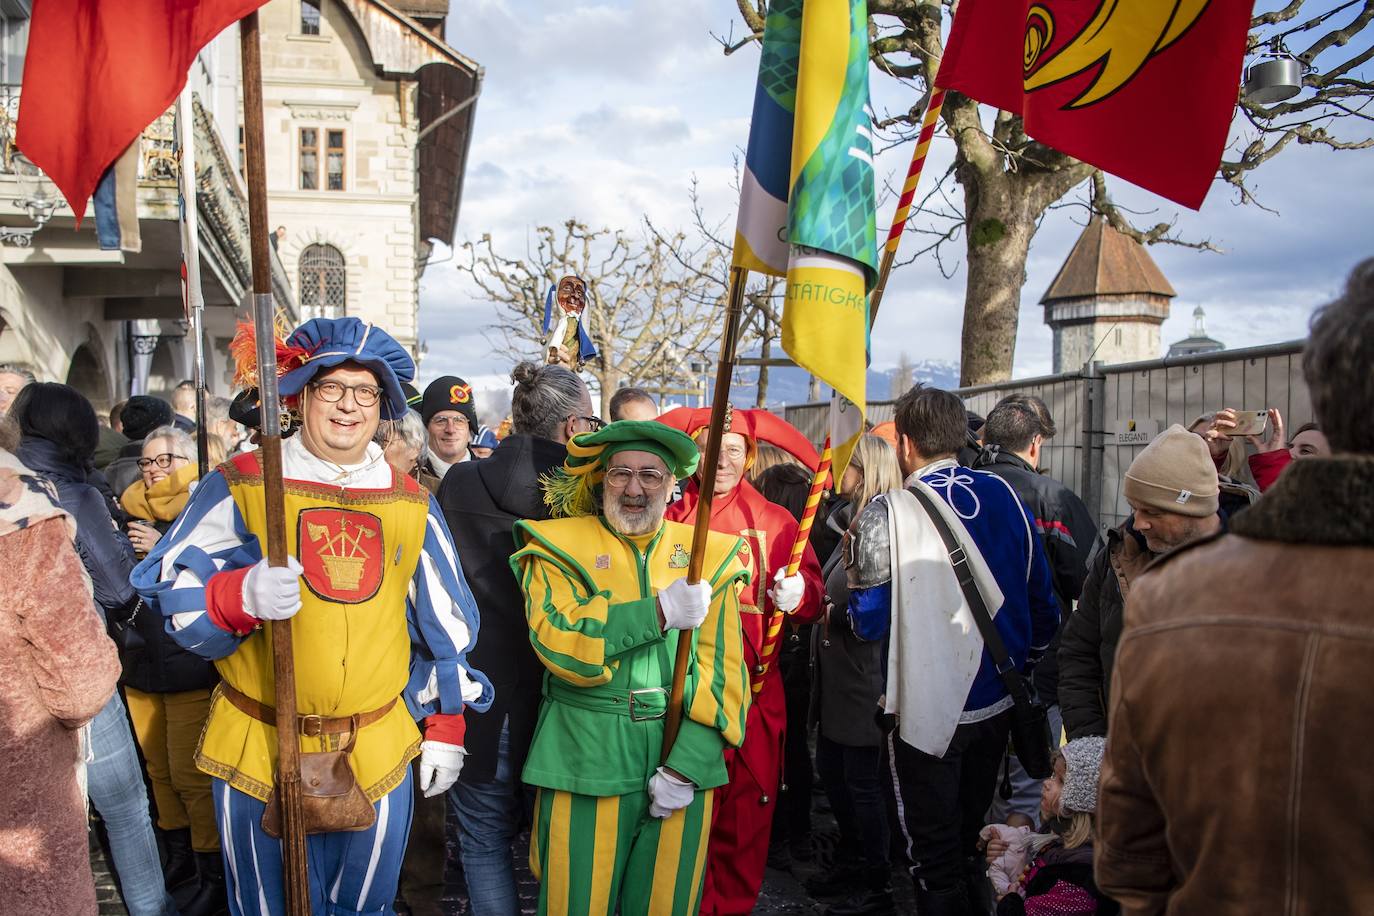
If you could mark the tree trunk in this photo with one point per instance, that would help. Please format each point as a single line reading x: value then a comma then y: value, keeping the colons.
x: 761, y: 398
x: 606, y: 377
x: 999, y: 236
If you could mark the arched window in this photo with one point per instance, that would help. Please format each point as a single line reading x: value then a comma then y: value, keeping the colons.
x: 322, y: 292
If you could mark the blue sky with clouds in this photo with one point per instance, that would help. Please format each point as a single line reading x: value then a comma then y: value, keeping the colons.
x: 606, y: 111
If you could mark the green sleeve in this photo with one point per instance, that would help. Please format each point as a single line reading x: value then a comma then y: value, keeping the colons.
x: 699, y: 755
x: 631, y: 625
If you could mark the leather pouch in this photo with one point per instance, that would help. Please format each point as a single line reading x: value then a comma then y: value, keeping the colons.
x: 332, y: 800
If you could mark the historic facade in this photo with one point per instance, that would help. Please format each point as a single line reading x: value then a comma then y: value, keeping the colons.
x: 364, y: 167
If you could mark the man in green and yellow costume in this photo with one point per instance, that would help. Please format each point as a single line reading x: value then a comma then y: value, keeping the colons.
x: 607, y: 600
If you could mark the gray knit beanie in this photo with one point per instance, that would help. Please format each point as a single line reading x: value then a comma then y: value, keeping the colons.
x: 1174, y: 474
x: 1082, y: 762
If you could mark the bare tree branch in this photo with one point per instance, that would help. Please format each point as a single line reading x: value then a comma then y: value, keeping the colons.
x: 649, y: 315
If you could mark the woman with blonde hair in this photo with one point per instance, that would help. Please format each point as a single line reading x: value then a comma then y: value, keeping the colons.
x: 844, y: 703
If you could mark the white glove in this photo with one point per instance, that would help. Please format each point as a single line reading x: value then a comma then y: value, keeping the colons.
x: 685, y: 604
x: 667, y: 793
x: 787, y: 591
x: 273, y: 592
x: 440, y: 765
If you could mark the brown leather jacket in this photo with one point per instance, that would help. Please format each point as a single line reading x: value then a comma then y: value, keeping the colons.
x: 1236, y: 778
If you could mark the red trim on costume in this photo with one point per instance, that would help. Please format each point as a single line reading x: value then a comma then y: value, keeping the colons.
x: 446, y: 728
x: 224, y: 602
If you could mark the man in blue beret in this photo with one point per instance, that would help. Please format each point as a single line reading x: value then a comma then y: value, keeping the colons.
x: 382, y: 624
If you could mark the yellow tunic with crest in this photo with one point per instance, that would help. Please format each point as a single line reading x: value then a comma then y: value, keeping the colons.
x: 352, y: 644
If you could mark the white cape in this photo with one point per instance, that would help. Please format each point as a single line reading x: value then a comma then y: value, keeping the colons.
x: 935, y: 647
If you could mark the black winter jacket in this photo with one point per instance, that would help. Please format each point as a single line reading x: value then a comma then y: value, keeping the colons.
x: 1087, y: 640
x: 160, y: 664
x: 1067, y: 530
x: 848, y: 671
x: 123, y: 471
x: 481, y: 502
x: 105, y: 550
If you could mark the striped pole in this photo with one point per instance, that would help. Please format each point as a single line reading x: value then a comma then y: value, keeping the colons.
x: 913, y: 177
x: 813, y: 502
x: 773, y: 631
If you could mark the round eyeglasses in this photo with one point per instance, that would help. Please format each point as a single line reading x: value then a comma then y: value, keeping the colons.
x: 163, y: 461
x: 649, y: 478
x: 332, y: 392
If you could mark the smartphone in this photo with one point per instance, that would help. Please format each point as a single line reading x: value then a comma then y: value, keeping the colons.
x: 1250, y: 423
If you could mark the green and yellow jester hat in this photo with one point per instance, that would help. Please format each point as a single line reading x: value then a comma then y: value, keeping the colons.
x: 575, y: 488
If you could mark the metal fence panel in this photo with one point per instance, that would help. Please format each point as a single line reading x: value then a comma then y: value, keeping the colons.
x: 1179, y: 392
x: 1164, y: 391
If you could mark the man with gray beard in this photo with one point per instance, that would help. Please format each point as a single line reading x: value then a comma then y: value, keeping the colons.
x: 481, y: 501
x: 607, y: 599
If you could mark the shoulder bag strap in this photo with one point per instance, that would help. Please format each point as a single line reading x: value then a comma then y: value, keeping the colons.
x: 974, y: 596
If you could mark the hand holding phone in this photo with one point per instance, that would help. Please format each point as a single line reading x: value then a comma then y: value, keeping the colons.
x: 1249, y: 422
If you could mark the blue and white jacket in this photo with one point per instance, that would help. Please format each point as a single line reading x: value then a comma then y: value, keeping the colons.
x: 1004, y: 531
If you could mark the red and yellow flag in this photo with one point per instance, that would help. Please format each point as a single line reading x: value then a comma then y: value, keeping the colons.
x: 1144, y: 90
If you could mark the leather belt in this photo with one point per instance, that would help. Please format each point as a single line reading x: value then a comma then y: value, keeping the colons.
x: 309, y: 726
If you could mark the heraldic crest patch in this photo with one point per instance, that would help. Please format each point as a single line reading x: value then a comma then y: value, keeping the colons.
x: 343, y: 553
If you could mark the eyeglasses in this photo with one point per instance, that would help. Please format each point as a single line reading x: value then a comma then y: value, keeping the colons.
x: 593, y: 423
x: 332, y: 392
x: 163, y: 461
x: 649, y: 478
x: 446, y: 422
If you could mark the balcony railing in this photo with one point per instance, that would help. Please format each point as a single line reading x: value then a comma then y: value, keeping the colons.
x: 157, y: 162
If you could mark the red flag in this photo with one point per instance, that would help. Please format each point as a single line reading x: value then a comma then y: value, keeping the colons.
x: 99, y: 72
x: 1144, y: 90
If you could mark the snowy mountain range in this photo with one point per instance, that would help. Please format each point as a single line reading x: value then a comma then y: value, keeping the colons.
x: 788, y: 385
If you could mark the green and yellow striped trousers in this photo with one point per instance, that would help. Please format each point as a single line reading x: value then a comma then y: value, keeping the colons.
x: 594, y: 854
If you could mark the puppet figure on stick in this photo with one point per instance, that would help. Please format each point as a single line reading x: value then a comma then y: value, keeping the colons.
x: 566, y: 339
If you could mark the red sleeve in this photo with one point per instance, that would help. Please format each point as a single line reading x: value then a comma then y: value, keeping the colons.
x: 813, y: 600
x: 446, y: 728
x: 1266, y: 467
x: 780, y: 554
x: 224, y: 602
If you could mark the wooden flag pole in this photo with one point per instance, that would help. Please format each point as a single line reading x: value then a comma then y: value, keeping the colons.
x: 720, y: 403
x: 295, y: 878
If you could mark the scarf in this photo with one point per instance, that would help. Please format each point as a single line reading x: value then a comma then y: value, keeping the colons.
x: 25, y: 498
x: 164, y: 500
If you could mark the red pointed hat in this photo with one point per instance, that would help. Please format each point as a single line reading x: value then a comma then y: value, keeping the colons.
x: 758, y: 425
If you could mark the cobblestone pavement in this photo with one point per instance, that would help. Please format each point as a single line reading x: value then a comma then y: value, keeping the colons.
x: 782, y: 895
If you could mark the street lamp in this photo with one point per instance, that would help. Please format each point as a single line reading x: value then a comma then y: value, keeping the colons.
x: 39, y: 201
x: 1275, y: 77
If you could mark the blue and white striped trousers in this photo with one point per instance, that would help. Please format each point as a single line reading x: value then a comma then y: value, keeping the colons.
x: 351, y: 873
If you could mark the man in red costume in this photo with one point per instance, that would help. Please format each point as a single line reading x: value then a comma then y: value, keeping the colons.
x: 738, y: 852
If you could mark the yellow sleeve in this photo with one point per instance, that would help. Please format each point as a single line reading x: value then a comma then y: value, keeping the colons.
x: 719, y: 692
x: 569, y: 626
